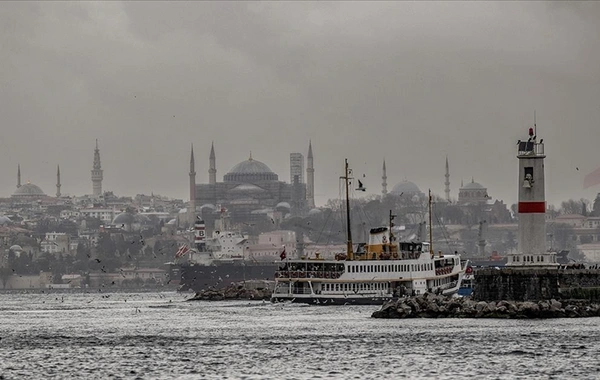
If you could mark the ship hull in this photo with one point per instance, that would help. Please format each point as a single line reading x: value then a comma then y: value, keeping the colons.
x: 321, y: 300
x: 196, y: 277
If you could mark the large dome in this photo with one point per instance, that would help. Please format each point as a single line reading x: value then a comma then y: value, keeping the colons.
x: 405, y: 187
x: 473, y: 186
x: 124, y: 218
x: 28, y: 190
x: 249, y: 171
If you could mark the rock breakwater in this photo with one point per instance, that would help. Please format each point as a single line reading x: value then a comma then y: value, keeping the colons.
x: 234, y: 291
x: 435, y: 306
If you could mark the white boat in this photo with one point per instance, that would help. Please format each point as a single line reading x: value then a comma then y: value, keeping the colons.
x: 378, y: 272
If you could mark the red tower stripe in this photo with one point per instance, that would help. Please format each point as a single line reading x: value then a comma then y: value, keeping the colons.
x: 532, y: 207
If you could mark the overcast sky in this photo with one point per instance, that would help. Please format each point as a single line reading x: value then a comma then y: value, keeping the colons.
x: 411, y: 82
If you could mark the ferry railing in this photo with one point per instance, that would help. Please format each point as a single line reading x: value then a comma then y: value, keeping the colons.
x: 309, y: 274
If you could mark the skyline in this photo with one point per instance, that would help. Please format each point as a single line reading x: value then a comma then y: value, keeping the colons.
x: 453, y: 192
x: 408, y: 82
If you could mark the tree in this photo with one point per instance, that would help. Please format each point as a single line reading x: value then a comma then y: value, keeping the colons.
x: 572, y: 206
x: 596, y: 206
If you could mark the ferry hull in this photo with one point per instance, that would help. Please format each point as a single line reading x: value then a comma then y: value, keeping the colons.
x: 200, y: 277
x: 321, y: 300
x: 333, y: 301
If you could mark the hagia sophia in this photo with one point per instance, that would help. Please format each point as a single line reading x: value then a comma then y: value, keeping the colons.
x: 251, y: 191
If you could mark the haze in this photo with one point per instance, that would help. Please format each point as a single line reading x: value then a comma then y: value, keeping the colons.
x: 411, y: 82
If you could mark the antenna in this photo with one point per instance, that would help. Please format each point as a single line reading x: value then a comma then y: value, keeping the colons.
x: 534, y: 124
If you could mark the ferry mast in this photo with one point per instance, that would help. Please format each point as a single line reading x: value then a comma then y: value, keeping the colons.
x: 347, y: 178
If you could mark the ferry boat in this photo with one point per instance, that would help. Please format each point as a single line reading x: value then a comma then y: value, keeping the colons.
x: 377, y: 272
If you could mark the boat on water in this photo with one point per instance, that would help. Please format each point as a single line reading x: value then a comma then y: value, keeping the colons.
x: 376, y: 272
x: 466, y: 286
x: 218, y: 261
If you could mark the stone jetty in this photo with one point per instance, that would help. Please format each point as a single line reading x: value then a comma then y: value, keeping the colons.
x: 236, y: 291
x: 436, y: 306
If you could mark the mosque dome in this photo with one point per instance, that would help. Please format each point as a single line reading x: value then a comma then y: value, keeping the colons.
x: 247, y: 188
x: 28, y: 190
x: 250, y: 170
x: 473, y: 186
x: 15, y: 248
x: 283, y: 206
x: 405, y: 187
x: 4, y: 220
x: 124, y: 218
x: 314, y: 211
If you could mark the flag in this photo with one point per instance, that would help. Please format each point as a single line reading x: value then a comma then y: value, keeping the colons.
x: 181, y: 251
x: 282, y: 254
x: 591, y: 179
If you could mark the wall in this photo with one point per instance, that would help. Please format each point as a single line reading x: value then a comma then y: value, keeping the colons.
x: 536, y: 284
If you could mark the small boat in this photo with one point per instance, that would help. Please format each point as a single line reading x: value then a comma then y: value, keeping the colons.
x: 466, y: 287
x: 377, y: 272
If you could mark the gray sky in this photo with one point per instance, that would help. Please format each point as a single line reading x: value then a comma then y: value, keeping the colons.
x: 413, y: 82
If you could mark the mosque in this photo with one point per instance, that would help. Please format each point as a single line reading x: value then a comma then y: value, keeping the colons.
x: 30, y: 191
x: 471, y: 196
x: 251, y: 192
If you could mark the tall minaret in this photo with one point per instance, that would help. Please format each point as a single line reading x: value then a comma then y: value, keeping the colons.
x: 97, y: 173
x: 192, y: 210
x: 57, y: 181
x: 212, y: 170
x: 384, y: 180
x: 532, y: 207
x: 18, y: 175
x: 310, y: 178
x: 447, y: 183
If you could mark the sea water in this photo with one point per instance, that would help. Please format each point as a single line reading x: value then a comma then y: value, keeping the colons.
x: 161, y: 336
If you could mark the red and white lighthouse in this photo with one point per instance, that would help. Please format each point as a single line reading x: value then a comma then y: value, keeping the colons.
x: 532, y: 250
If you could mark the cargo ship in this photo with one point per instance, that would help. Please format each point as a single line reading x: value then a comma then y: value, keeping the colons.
x: 217, y: 262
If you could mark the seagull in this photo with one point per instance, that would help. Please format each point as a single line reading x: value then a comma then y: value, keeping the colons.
x: 360, y: 186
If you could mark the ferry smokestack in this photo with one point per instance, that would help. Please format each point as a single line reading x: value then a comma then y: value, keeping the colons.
x: 531, y: 250
x: 200, y: 235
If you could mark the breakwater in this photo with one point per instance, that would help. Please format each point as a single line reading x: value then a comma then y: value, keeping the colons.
x: 249, y: 290
x: 437, y: 306
x: 520, y: 284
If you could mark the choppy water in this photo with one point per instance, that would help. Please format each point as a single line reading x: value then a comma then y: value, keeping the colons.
x: 158, y: 336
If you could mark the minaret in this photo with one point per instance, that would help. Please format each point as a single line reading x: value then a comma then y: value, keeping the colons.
x: 57, y: 181
x: 18, y: 175
x: 384, y: 180
x: 532, y: 207
x: 310, y: 178
x: 447, y: 183
x: 192, y: 210
x: 97, y: 173
x: 212, y: 171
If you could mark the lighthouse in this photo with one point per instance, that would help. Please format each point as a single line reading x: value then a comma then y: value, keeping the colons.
x: 531, y: 250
